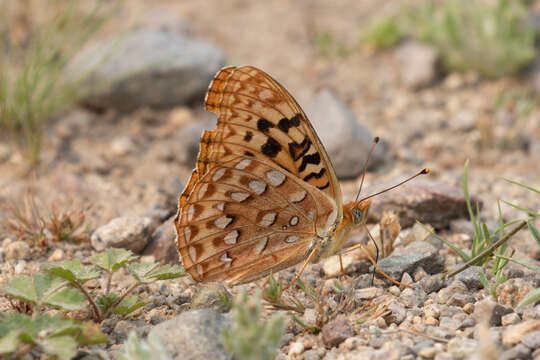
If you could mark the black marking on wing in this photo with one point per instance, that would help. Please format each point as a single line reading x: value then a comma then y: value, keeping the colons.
x: 309, y: 159
x: 264, y: 125
x: 248, y: 136
x: 298, y: 150
x: 324, y: 186
x: 271, y: 147
x: 315, y: 175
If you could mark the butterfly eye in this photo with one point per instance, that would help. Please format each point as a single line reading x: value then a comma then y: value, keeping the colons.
x: 358, y: 215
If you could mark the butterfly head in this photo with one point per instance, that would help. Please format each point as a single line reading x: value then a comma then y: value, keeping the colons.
x: 359, y: 211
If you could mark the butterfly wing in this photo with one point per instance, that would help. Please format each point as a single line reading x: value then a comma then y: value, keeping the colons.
x: 246, y: 217
x: 263, y: 188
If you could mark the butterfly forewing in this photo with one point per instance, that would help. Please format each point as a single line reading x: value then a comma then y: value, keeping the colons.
x: 263, y: 189
x: 258, y: 116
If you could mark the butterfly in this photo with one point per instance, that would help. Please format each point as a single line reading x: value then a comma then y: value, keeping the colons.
x: 264, y: 195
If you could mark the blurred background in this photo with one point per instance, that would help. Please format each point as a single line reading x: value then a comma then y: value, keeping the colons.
x: 101, y: 102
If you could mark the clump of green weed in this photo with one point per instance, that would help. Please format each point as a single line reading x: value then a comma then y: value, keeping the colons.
x: 327, y: 46
x: 383, y: 34
x: 250, y: 337
x: 32, y: 66
x: 51, y: 335
x: 61, y: 285
x: 492, y: 38
x: 489, y: 248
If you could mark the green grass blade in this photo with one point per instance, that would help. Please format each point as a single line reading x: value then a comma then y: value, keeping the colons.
x: 528, y: 211
x: 523, y: 185
x: 534, y: 232
x: 522, y: 263
x: 457, y: 250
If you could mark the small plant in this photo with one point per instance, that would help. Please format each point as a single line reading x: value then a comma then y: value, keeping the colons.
x: 327, y: 46
x: 137, y: 349
x: 32, y: 67
x: 486, y: 247
x: 62, y: 284
x: 25, y: 222
x: 250, y: 338
x: 50, y: 335
x: 492, y: 38
x: 383, y: 34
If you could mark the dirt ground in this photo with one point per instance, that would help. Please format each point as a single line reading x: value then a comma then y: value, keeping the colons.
x: 423, y: 128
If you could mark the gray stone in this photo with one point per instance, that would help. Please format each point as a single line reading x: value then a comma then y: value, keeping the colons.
x: 449, y: 323
x: 18, y: 250
x: 311, y: 354
x: 146, y: 67
x: 163, y: 243
x: 470, y: 277
x: 532, y: 339
x: 412, y: 298
x: 424, y: 200
x: 409, y: 258
x: 419, y: 64
x: 132, y: 233
x: 431, y: 283
x: 346, y: 141
x: 398, y: 313
x: 460, y: 300
x: 336, y: 331
x: 462, y: 348
x: 518, y: 352
x: 489, y: 311
x: 194, y: 335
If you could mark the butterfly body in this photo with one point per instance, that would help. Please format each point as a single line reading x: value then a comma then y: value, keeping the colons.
x: 264, y: 195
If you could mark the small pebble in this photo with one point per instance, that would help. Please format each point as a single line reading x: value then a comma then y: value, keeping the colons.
x: 510, y: 319
x: 57, y: 255
x: 394, y: 290
x: 296, y: 348
x: 18, y: 250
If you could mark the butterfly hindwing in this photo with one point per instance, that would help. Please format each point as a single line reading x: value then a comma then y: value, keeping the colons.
x: 245, y: 210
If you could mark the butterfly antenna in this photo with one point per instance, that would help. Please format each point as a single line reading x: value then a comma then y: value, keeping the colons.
x: 422, y: 172
x: 375, y: 141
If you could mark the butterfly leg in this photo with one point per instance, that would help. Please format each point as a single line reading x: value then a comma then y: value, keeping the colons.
x: 307, y: 261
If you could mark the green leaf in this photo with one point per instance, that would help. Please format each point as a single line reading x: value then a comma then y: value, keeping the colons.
x: 487, y: 286
x: 106, y: 301
x: 73, y: 271
x: 128, y: 306
x: 65, y: 347
x: 10, y: 342
x: 113, y: 259
x: 532, y: 297
x: 148, y: 273
x: 68, y: 298
x: 37, y: 290
x: 534, y: 232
